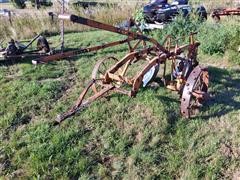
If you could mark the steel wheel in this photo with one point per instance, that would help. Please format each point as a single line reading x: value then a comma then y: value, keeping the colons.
x: 100, y: 70
x: 194, y: 92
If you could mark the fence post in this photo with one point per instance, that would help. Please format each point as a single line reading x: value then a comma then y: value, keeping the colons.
x: 10, y: 17
x: 62, y: 27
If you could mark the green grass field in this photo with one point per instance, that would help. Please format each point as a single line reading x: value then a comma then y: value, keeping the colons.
x: 117, y: 137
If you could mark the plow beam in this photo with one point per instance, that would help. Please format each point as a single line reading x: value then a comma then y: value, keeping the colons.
x: 68, y: 54
x: 99, y: 25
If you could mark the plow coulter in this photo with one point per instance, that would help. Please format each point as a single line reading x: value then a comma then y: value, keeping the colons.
x: 140, y: 66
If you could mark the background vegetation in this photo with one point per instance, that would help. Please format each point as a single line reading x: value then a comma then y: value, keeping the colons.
x: 119, y: 137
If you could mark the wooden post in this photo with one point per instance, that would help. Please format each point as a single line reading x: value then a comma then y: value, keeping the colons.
x: 62, y: 26
x: 10, y: 17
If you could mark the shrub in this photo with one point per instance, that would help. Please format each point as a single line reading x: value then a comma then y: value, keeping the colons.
x: 42, y: 2
x: 234, y: 44
x: 19, y: 3
x: 219, y: 38
x: 214, y: 38
x: 139, y: 16
x: 180, y: 27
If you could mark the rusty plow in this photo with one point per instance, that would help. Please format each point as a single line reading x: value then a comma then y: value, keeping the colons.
x: 139, y: 67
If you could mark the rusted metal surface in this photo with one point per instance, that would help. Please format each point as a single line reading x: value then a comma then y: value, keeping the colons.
x: 131, y: 36
x: 58, y: 56
x: 112, y: 75
x: 217, y: 13
x: 195, y: 92
x: 16, y: 50
x: 98, y: 25
x: 82, y: 103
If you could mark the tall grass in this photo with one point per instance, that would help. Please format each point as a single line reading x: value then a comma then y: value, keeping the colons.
x: 111, y: 14
x: 32, y: 22
x: 212, y: 4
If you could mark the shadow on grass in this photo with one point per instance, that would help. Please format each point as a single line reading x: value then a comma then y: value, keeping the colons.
x: 171, y: 105
x: 224, y: 88
x: 173, y: 115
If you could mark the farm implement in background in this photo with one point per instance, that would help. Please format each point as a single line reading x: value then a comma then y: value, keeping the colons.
x: 17, y: 50
x: 139, y: 67
x: 160, y: 11
x: 217, y: 13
